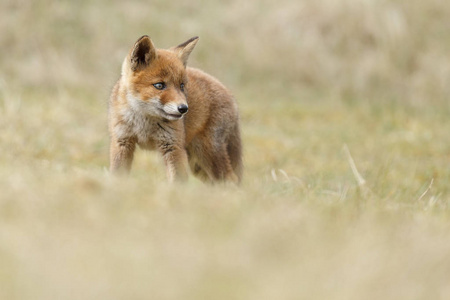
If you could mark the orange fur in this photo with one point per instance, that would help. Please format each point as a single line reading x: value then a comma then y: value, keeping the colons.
x: 148, y: 107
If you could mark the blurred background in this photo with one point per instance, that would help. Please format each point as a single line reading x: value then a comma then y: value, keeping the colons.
x: 345, y: 122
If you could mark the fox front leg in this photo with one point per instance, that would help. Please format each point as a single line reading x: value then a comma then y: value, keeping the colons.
x: 121, y: 155
x: 176, y: 161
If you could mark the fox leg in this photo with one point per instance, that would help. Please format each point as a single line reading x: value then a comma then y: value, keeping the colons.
x: 175, y: 158
x: 121, y: 155
x: 198, y: 171
x: 211, y: 162
x: 220, y: 167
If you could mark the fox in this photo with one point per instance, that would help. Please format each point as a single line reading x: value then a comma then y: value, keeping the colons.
x: 188, y: 116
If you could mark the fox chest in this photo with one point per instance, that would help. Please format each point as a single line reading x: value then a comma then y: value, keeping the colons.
x: 147, y: 135
x: 147, y: 131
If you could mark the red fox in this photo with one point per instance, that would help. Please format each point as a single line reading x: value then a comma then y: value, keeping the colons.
x: 187, y: 115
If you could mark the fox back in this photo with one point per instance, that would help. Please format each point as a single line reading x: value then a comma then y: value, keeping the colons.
x: 187, y: 115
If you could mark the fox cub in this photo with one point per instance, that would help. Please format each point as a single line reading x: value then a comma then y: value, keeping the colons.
x: 187, y: 115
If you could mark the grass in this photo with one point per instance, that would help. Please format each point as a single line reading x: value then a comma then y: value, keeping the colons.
x: 313, y: 79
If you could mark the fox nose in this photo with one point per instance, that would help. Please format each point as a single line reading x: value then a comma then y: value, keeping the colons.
x: 182, y: 108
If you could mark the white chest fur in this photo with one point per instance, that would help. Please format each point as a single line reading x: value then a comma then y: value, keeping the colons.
x: 144, y: 128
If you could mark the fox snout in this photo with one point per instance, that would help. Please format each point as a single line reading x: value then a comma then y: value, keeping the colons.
x: 173, y: 111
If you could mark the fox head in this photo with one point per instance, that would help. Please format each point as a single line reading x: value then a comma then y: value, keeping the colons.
x: 156, y: 79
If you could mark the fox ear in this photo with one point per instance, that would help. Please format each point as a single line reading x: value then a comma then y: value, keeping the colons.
x: 143, y: 53
x: 183, y: 50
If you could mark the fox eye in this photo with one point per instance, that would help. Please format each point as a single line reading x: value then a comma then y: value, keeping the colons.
x: 182, y: 87
x: 159, y: 85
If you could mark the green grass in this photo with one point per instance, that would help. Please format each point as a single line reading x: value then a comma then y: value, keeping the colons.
x: 313, y: 79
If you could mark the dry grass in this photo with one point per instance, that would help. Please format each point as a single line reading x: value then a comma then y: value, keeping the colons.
x: 327, y: 90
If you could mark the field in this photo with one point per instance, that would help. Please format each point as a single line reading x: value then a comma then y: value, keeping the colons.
x: 345, y: 116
